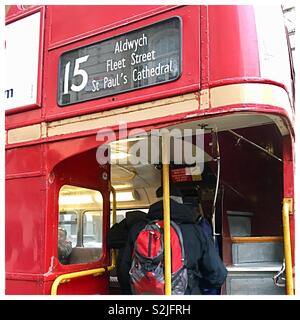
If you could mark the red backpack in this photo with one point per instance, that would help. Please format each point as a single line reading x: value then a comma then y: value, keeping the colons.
x: 147, y: 269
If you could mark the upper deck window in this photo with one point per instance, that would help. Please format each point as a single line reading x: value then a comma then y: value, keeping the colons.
x: 138, y: 59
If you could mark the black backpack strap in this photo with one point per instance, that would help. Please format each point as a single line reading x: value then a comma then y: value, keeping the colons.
x: 179, y: 233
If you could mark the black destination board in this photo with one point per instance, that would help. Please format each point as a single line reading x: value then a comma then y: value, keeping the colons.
x: 138, y: 59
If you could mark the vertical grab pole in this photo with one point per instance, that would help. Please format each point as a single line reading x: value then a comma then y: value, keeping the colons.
x: 166, y: 201
x: 114, y: 220
x: 218, y: 159
x: 114, y: 208
x: 286, y: 210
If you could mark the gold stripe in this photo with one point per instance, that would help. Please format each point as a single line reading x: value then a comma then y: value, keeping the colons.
x: 24, y: 134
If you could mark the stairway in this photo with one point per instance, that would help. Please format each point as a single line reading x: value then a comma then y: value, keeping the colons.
x: 255, y: 260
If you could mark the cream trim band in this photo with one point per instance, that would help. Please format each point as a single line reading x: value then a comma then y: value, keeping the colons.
x: 24, y: 134
x: 249, y: 93
x: 246, y: 93
x: 144, y: 111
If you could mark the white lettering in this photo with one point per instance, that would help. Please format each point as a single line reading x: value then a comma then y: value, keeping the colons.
x: 125, y: 310
x: 122, y: 46
x: 147, y: 72
x: 96, y: 85
x: 115, y: 65
x: 144, y: 57
x: 111, y: 82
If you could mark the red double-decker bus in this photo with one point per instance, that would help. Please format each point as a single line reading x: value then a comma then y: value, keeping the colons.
x: 82, y: 77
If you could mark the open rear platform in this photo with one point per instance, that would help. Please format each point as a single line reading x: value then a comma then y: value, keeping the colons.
x: 255, y: 262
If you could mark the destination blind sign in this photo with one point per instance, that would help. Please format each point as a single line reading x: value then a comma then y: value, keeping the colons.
x: 138, y: 59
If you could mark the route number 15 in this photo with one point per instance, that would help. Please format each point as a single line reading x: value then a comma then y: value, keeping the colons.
x: 77, y: 72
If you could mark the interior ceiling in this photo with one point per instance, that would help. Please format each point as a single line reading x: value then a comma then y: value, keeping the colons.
x: 231, y: 121
x: 145, y: 176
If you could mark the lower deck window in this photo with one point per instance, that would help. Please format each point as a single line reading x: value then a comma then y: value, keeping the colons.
x: 80, y: 225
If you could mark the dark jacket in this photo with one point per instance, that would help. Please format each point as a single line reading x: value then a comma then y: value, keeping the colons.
x: 117, y: 239
x: 205, y: 267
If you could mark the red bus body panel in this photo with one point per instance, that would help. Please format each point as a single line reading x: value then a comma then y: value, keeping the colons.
x: 233, y: 51
x: 219, y: 46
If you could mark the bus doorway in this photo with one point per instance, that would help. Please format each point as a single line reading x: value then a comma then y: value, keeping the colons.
x: 240, y: 189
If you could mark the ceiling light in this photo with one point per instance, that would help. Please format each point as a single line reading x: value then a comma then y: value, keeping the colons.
x: 124, y: 196
x: 118, y: 155
x: 75, y: 199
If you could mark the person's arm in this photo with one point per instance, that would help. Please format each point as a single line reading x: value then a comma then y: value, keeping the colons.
x: 125, y: 265
x: 117, y: 235
x: 211, y: 266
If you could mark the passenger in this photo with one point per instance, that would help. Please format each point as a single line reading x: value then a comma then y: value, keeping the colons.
x: 64, y: 246
x: 205, y: 268
x: 200, y: 218
x: 117, y: 239
x: 206, y: 226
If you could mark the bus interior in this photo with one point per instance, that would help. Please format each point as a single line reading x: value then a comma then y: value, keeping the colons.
x: 240, y: 189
